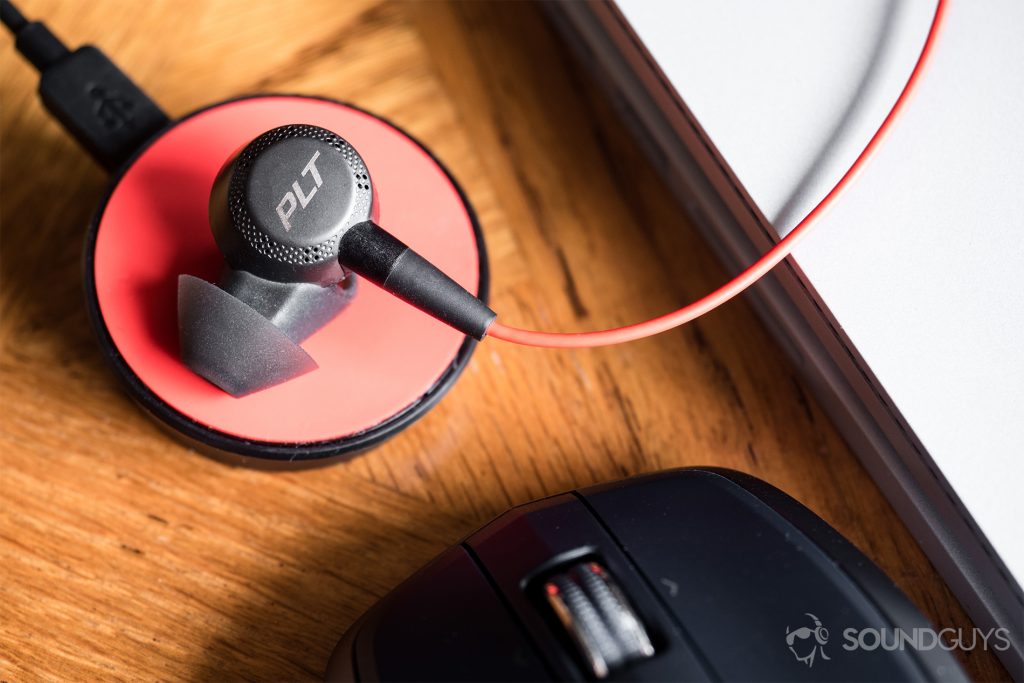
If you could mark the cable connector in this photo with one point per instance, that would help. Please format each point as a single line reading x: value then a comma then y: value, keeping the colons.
x: 95, y: 101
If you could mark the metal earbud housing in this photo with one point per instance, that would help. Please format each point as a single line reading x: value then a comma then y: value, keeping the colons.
x: 279, y: 209
x: 294, y: 215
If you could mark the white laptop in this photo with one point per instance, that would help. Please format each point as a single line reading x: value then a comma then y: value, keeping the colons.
x: 905, y: 308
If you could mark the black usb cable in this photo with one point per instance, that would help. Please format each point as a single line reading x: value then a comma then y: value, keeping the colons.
x: 95, y: 101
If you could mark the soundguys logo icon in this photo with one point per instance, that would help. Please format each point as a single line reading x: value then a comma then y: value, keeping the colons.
x: 806, y: 642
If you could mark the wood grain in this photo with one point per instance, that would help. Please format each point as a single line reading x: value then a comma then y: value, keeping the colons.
x: 127, y: 556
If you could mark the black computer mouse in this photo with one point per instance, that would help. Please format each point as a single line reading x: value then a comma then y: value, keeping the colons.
x: 693, y: 574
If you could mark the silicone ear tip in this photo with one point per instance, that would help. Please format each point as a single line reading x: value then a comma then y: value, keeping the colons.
x: 228, y: 343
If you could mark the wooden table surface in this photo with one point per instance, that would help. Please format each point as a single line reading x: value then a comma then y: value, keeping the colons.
x: 125, y: 555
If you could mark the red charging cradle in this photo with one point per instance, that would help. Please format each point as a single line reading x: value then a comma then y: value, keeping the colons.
x: 383, y: 364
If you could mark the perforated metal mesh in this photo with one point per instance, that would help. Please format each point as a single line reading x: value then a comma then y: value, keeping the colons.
x: 258, y: 239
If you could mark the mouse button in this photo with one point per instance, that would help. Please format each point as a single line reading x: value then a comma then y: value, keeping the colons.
x: 445, y: 623
x: 528, y: 535
x: 527, y: 546
x: 527, y: 541
x: 881, y: 589
x: 741, y: 580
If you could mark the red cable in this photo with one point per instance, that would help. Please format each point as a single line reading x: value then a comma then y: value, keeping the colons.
x: 758, y: 269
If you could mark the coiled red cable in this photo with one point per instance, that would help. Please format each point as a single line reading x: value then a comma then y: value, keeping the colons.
x: 760, y: 267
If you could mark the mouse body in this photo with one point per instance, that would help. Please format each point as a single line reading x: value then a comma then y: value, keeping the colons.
x: 693, y: 574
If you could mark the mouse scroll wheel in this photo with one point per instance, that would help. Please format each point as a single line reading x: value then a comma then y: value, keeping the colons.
x: 597, y: 617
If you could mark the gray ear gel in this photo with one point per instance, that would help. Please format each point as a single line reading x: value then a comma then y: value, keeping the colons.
x: 230, y: 344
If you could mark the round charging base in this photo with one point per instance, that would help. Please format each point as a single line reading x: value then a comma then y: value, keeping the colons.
x: 382, y: 364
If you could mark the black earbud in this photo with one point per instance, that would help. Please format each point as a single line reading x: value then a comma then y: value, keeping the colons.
x: 293, y: 214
